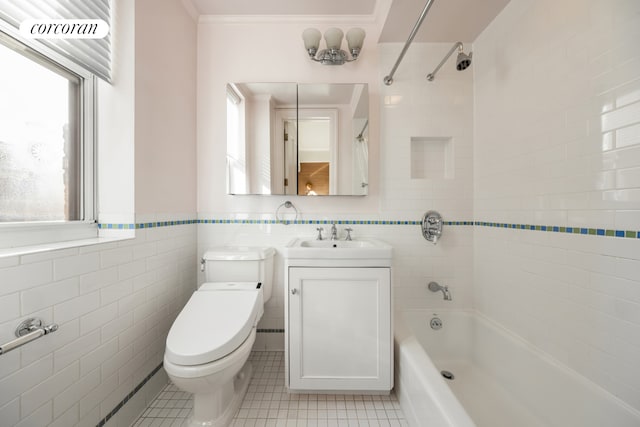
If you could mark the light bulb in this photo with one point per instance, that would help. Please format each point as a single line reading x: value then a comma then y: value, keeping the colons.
x: 333, y: 38
x: 355, y: 38
x: 311, y: 38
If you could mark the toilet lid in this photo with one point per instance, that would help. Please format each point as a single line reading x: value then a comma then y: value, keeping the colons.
x: 211, y: 325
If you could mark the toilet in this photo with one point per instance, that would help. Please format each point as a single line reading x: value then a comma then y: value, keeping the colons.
x: 210, y: 341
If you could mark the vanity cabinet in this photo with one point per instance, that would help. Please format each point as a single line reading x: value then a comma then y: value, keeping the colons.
x: 339, y: 332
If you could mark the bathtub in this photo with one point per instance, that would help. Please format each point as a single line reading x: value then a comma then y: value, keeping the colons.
x: 499, y: 379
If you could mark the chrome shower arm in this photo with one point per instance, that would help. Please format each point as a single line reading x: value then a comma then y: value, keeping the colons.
x: 388, y: 80
x: 453, y: 49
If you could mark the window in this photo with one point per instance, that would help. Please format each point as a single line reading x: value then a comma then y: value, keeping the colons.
x: 236, y: 149
x: 46, y: 141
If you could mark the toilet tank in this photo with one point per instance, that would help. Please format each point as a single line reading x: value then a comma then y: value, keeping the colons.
x: 240, y: 264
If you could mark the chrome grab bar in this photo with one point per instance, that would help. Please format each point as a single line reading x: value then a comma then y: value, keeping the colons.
x: 27, y: 331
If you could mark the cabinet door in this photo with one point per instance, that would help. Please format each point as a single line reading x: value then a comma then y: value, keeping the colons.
x: 340, y: 329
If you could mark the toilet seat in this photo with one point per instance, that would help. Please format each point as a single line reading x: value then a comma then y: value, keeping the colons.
x: 213, y: 324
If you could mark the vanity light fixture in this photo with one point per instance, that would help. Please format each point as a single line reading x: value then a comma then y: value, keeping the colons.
x: 333, y: 54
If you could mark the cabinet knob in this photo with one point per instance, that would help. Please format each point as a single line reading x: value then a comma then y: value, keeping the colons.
x: 294, y: 291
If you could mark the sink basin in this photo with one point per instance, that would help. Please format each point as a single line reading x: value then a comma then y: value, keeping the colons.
x: 337, y: 244
x: 337, y: 249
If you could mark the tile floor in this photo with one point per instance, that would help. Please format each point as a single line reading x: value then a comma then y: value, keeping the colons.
x: 267, y: 403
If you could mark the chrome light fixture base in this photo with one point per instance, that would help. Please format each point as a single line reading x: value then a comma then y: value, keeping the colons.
x: 333, y: 54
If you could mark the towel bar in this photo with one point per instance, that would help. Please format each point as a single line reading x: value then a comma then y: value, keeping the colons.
x: 28, y: 331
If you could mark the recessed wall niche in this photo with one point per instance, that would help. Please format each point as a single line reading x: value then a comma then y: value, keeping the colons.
x: 432, y: 157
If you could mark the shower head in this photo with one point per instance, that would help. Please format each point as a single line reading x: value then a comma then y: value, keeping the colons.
x: 462, y: 62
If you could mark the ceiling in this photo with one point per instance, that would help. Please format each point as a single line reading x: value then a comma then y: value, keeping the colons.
x: 284, y: 7
x: 447, y: 20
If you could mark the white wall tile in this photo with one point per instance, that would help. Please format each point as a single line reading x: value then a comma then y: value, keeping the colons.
x: 117, y: 326
x: 25, y: 276
x: 75, y: 265
x: 76, y: 307
x: 75, y: 350
x: 90, y: 401
x: 70, y: 397
x: 48, y: 389
x: 116, y: 361
x: 98, y: 356
x: 132, y: 269
x: 45, y: 296
x: 22, y: 380
x: 47, y: 255
x: 68, y: 418
x: 573, y: 296
x: 116, y: 291
x: 98, y: 279
x: 94, y: 302
x: 114, y: 257
x: 10, y: 413
x: 11, y: 261
x: 41, y: 417
x: 9, y: 307
x: 98, y: 318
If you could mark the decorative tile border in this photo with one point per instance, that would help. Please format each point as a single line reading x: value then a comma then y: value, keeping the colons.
x: 270, y: 331
x: 629, y: 234
x: 106, y: 226
x: 323, y: 222
x: 128, y: 397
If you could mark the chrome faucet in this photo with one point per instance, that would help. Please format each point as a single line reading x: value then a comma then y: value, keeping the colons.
x: 334, y: 232
x: 348, y: 230
x: 434, y: 287
x: 319, y: 230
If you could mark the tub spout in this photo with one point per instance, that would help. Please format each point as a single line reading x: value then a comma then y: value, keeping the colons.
x: 435, y: 287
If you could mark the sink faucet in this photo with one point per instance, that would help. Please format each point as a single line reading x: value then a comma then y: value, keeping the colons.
x: 334, y: 232
x: 319, y: 230
x: 434, y: 287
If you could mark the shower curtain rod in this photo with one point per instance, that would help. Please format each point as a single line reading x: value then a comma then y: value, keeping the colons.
x: 388, y: 80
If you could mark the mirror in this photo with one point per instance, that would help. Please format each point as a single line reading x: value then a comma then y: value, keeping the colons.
x: 297, y: 139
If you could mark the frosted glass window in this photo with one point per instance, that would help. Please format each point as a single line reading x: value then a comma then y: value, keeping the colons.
x: 40, y: 155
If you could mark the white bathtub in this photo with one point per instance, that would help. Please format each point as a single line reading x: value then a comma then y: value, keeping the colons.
x: 500, y: 380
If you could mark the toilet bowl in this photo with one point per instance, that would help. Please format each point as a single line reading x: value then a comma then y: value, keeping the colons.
x: 210, y: 341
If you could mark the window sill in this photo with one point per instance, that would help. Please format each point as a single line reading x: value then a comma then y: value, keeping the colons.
x: 54, y: 246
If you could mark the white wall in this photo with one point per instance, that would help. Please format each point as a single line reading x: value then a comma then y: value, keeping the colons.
x: 165, y: 109
x: 412, y: 107
x: 116, y: 124
x: 268, y: 51
x: 557, y: 142
x: 114, y: 302
x: 416, y: 108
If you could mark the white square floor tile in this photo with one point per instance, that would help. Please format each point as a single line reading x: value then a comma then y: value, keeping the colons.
x: 267, y: 404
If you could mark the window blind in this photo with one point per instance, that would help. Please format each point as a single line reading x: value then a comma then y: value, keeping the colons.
x: 92, y: 54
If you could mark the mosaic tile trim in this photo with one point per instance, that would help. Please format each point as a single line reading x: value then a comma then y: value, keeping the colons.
x: 323, y: 221
x: 128, y: 397
x: 270, y: 331
x: 629, y: 234
x: 106, y: 226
